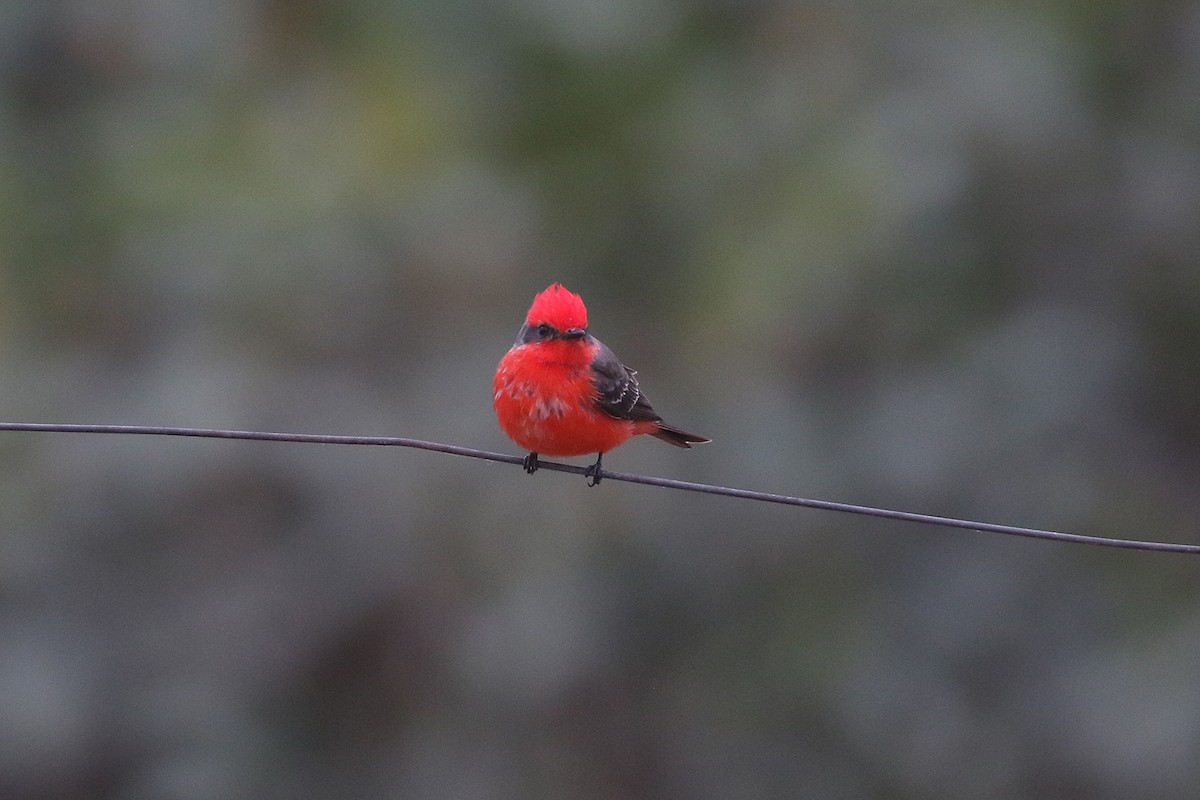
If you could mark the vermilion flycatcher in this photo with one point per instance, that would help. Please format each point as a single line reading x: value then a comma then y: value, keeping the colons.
x: 560, y: 391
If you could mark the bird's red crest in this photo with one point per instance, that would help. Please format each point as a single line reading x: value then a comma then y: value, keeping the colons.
x: 559, y: 307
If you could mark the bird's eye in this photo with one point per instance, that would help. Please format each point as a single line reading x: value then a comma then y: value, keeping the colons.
x: 544, y: 331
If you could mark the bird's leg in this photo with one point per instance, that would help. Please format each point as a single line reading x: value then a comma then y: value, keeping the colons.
x: 530, y: 463
x: 593, y: 472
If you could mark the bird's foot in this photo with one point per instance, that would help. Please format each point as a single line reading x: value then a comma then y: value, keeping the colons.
x: 594, y: 473
x: 530, y: 463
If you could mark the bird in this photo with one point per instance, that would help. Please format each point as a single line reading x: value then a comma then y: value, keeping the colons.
x: 560, y: 391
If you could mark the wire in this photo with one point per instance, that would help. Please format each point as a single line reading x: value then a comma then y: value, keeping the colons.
x: 649, y: 480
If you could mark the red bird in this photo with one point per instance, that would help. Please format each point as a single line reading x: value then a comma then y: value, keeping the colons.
x: 560, y: 391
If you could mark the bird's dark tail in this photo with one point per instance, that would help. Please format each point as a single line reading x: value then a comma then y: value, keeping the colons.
x: 677, y: 437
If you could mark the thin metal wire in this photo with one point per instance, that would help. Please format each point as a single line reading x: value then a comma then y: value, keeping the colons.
x: 649, y: 480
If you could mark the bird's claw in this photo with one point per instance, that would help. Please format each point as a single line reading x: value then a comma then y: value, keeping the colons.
x: 530, y: 463
x: 594, y: 473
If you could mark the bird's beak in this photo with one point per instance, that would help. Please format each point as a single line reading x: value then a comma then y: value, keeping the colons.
x: 574, y: 333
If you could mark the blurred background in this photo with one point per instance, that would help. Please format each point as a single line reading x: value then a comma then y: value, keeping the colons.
x: 940, y: 257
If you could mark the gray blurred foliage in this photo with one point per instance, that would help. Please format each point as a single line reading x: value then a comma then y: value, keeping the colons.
x: 936, y: 256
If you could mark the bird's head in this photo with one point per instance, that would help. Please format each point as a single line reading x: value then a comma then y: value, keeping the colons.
x: 556, y: 314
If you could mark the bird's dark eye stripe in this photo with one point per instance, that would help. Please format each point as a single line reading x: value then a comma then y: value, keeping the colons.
x: 536, y: 333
